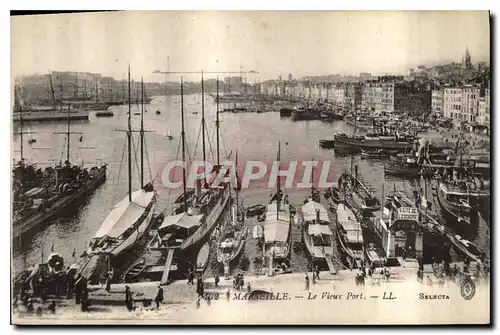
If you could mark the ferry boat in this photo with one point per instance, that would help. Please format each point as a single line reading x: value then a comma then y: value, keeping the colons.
x: 316, y: 231
x: 408, y: 168
x: 461, y: 198
x: 350, y: 236
x: 365, y: 142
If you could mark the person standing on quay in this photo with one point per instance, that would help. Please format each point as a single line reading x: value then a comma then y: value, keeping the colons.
x: 216, y: 279
x: 128, y: 297
x: 78, y: 288
x: 159, y: 297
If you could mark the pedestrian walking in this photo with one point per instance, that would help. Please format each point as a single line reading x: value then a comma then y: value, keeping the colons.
x: 307, y: 281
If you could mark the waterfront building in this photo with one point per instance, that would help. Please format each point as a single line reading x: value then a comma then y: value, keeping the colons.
x: 437, y: 101
x: 470, y: 103
x: 452, y: 102
x: 354, y: 95
x: 484, y: 109
x: 378, y: 96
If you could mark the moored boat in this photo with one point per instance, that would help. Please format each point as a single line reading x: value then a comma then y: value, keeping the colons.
x: 202, y: 258
x: 350, y: 236
x: 377, y: 153
x: 255, y: 210
x: 131, y: 217
x: 316, y: 231
x: 362, y: 193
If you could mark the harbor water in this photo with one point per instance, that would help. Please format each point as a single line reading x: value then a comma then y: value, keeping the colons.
x: 102, y: 141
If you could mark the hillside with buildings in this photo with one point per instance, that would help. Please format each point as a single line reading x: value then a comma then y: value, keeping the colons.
x: 459, y: 91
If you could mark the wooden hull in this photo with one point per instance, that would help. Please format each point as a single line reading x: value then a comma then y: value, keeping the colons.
x: 453, y: 213
x: 315, y: 252
x: 403, y: 171
x: 210, y: 221
x: 352, y: 257
x: 203, y: 257
x: 221, y: 258
x: 374, y: 256
x: 326, y: 144
x: 371, y: 144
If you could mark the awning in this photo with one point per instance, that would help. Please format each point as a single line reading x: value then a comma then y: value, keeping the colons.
x: 354, y: 236
x: 319, y: 229
x: 182, y: 220
x: 125, y: 214
x: 271, y: 211
x: 309, y: 211
x: 276, y: 230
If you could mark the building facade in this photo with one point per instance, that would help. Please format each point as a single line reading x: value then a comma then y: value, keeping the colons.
x: 354, y: 96
x: 452, y: 102
x: 437, y: 101
x: 470, y: 104
x: 378, y: 97
x: 484, y: 109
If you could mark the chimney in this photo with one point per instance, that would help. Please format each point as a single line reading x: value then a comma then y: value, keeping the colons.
x: 317, y: 215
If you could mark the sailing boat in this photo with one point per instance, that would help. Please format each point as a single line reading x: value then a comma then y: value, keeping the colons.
x: 168, y: 135
x: 130, y: 217
x: 188, y: 227
x: 277, y: 225
x: 235, y: 232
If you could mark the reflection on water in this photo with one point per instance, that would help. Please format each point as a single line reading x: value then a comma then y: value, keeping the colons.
x: 253, y: 136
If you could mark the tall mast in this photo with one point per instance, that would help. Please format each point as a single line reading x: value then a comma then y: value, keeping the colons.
x: 278, y: 186
x: 217, y: 122
x: 52, y: 92
x: 237, y: 197
x: 183, y: 135
x: 67, y: 136
x: 21, y: 111
x: 142, y: 133
x: 203, y: 121
x: 229, y: 91
x: 129, y: 138
x: 76, y: 86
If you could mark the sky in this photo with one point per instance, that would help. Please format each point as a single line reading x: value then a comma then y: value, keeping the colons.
x: 274, y: 43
